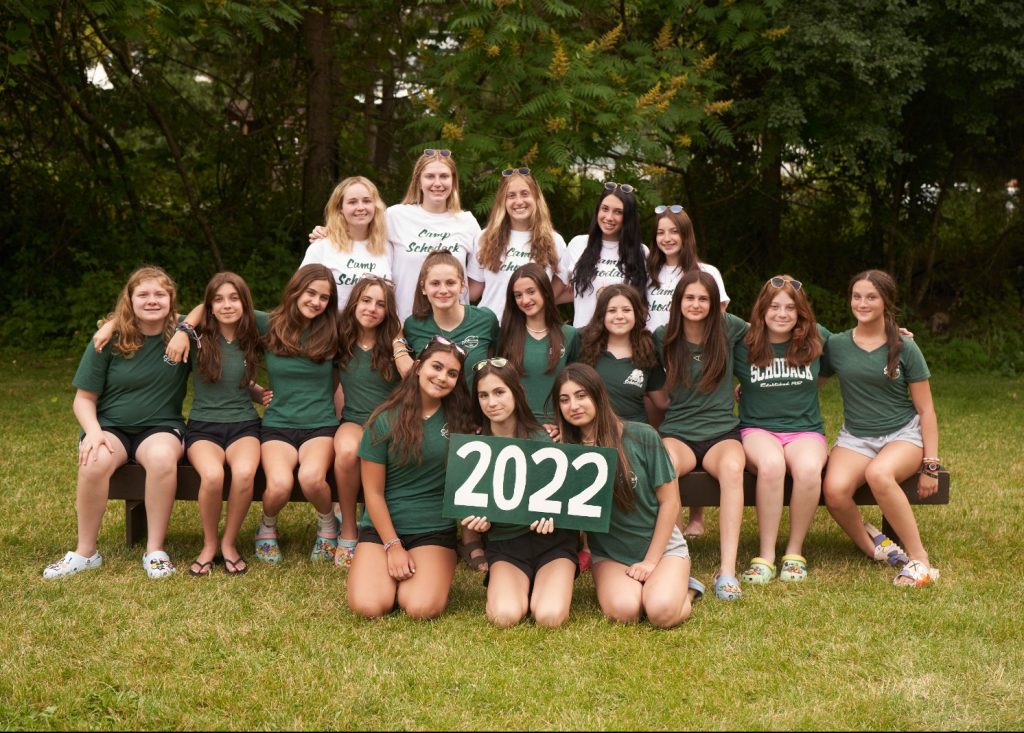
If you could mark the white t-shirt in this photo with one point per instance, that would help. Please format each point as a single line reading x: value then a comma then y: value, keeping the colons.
x: 347, y: 267
x: 659, y: 299
x: 413, y: 233
x: 607, y: 273
x: 516, y: 255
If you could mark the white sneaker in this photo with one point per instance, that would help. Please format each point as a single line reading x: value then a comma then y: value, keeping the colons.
x: 158, y: 564
x: 70, y: 564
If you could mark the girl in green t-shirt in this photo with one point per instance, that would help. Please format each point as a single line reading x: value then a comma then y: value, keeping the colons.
x: 532, y: 568
x: 641, y: 563
x: 533, y: 337
x: 438, y: 310
x: 128, y: 404
x: 890, y: 431
x: 372, y: 359
x: 778, y: 363
x: 700, y: 429
x: 406, y: 551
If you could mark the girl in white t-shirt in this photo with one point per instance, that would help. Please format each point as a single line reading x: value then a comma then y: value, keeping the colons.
x: 428, y: 219
x: 610, y: 253
x: 518, y: 231
x: 674, y: 256
x: 354, y: 242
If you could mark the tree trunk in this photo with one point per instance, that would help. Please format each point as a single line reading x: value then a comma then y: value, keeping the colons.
x: 319, y: 169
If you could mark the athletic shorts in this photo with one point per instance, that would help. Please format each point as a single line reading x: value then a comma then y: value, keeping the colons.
x: 531, y: 551
x: 295, y: 437
x: 786, y: 438
x: 132, y: 441
x: 871, y: 447
x: 222, y: 434
x: 676, y: 547
x: 700, y: 448
x: 444, y: 538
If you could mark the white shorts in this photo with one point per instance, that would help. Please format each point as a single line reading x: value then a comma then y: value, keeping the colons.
x: 871, y: 447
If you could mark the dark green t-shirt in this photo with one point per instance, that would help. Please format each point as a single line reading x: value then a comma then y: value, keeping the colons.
x: 303, y: 391
x: 477, y: 334
x: 225, y: 400
x: 414, y: 492
x: 499, y: 531
x: 627, y: 384
x: 629, y: 535
x: 536, y: 382
x: 873, y: 404
x: 136, y: 393
x: 779, y: 397
x: 695, y: 415
x: 365, y: 388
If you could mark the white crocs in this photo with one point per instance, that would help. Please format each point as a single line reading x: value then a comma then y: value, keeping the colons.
x: 157, y: 564
x: 72, y: 563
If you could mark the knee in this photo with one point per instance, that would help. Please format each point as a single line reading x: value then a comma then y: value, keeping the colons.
x: 312, y: 480
x: 836, y: 494
x: 621, y: 611
x: 550, y: 617
x: 664, y: 616
x: 504, y: 615
x: 346, y: 456
x: 771, y: 469
x: 211, y: 478
x: 808, y: 476
x: 878, y: 477
x: 365, y: 609
x: 424, y: 609
x: 161, y: 461
x: 243, y: 476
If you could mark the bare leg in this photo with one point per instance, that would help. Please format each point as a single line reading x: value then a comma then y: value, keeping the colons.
x: 244, y: 458
x: 666, y: 597
x: 316, y: 457
x: 208, y: 460
x: 425, y: 594
x: 279, y: 460
x: 765, y: 457
x: 552, y: 593
x: 684, y: 461
x: 508, y: 591
x: 371, y: 590
x: 725, y: 461
x: 159, y: 455
x: 895, y: 462
x: 346, y: 475
x: 620, y: 597
x: 805, y: 458
x: 844, y: 473
x: 92, y: 492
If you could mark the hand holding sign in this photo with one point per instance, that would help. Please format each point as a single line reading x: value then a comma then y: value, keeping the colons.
x: 521, y: 481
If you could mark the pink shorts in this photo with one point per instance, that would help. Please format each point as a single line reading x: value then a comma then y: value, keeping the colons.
x: 785, y: 438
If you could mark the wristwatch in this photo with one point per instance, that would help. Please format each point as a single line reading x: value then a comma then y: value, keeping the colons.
x: 930, y: 466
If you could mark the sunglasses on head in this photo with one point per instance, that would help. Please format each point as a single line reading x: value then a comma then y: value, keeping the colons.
x: 524, y: 171
x: 498, y: 361
x: 778, y: 282
x: 431, y: 152
x: 674, y: 208
x: 437, y: 338
x: 370, y: 276
x: 612, y: 185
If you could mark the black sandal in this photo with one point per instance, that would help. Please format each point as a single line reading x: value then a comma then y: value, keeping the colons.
x: 231, y: 566
x: 204, y: 568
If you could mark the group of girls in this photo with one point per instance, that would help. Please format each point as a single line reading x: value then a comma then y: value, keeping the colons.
x: 373, y: 350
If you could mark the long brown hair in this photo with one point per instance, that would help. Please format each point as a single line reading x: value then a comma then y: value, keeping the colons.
x: 884, y: 283
x: 348, y: 329
x: 414, y: 194
x: 714, y: 344
x: 129, y: 338
x: 804, y: 343
x: 494, y: 238
x: 421, y: 307
x: 512, y: 337
x: 247, y: 335
x: 337, y: 226
x: 526, y: 424
x: 594, y: 336
x: 607, y: 426
x: 404, y: 407
x: 688, y: 259
x: 287, y: 325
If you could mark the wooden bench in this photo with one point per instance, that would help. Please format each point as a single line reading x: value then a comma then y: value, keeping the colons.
x: 695, y: 489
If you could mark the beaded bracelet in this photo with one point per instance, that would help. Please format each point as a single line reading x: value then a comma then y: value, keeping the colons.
x: 188, y: 328
x: 389, y: 543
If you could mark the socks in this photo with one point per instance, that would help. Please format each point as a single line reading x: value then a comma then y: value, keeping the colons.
x: 326, y: 523
x: 268, y: 525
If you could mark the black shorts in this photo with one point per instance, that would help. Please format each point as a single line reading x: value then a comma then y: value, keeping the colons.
x: 295, y: 437
x: 444, y: 538
x: 700, y: 448
x: 132, y: 441
x: 531, y: 551
x: 222, y: 434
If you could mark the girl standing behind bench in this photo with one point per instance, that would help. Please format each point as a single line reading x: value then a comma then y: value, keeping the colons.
x: 129, y: 406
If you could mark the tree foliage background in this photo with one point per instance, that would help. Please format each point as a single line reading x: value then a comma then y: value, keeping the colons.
x: 816, y: 138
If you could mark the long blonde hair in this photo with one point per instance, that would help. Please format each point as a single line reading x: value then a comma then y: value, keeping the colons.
x: 494, y: 239
x: 126, y: 326
x: 414, y: 194
x: 337, y: 226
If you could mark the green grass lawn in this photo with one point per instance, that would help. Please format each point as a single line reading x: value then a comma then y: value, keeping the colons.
x: 278, y: 648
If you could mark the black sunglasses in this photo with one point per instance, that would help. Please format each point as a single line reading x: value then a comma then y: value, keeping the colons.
x: 431, y: 152
x: 524, y: 171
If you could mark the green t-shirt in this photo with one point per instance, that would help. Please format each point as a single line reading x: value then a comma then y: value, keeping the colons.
x: 225, y: 400
x: 303, y: 391
x: 627, y: 384
x: 414, y: 492
x: 873, y: 404
x: 477, y: 334
x: 365, y: 388
x: 698, y: 415
x: 536, y: 382
x: 629, y: 534
x: 779, y: 397
x: 137, y: 393
x: 499, y: 531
